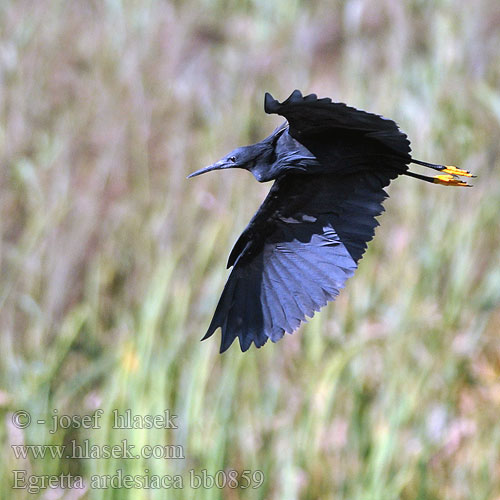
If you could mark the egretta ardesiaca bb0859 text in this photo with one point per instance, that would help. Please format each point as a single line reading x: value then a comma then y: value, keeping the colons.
x: 330, y: 163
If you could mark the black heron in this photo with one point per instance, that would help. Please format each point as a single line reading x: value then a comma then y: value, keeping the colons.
x: 330, y: 163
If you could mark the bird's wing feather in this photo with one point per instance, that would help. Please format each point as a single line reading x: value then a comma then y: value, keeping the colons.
x: 296, y: 254
x: 309, y: 115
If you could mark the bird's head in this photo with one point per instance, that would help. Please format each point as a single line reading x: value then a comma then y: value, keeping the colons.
x: 256, y: 158
x: 238, y: 158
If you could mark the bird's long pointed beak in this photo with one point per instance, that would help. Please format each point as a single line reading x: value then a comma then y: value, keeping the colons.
x: 216, y: 166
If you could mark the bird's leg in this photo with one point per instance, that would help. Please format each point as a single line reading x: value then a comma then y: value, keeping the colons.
x: 444, y: 179
x: 445, y: 169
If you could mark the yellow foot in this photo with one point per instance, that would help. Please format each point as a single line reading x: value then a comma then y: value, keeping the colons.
x: 449, y: 180
x: 450, y: 169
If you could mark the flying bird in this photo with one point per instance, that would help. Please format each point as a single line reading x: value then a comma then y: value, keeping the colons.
x: 330, y: 164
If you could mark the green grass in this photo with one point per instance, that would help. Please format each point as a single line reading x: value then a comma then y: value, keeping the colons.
x: 112, y: 262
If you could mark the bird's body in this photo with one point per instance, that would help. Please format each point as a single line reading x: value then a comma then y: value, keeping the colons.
x: 330, y: 163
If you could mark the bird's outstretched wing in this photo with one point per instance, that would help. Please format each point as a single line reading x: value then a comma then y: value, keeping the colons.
x: 309, y: 115
x: 297, y: 253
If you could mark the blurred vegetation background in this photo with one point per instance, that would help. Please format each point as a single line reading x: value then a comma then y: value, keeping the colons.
x: 112, y: 262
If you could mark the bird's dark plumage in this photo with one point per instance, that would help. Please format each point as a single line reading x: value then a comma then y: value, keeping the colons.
x: 331, y: 164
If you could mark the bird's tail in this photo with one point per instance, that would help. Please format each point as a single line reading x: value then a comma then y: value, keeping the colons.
x: 449, y: 176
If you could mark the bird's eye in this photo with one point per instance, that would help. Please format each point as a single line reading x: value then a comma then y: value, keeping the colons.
x: 233, y: 159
